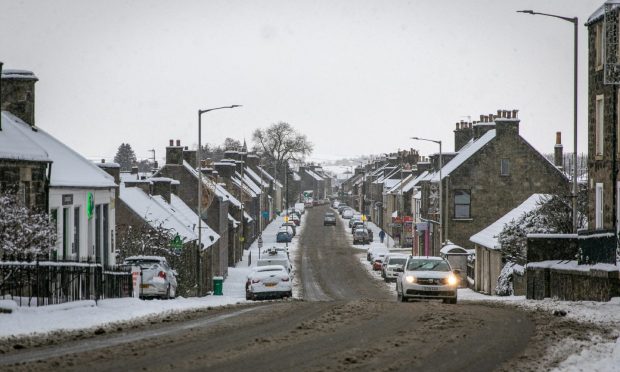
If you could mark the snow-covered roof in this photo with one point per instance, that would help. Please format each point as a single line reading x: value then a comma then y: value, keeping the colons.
x: 247, y: 217
x: 232, y: 219
x: 219, y: 189
x: 398, y: 187
x: 600, y: 12
x: 258, y: 179
x: 296, y: 177
x: 69, y: 169
x: 176, y: 215
x: 246, y: 187
x: 15, y: 145
x: 488, y: 236
x: 249, y: 182
x: 18, y: 74
x: 414, y: 182
x: 314, y: 175
x: 108, y: 165
x: 391, y: 183
x: 465, y: 153
x: 269, y: 176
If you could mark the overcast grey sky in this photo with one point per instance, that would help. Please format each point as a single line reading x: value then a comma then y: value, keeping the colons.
x: 356, y: 77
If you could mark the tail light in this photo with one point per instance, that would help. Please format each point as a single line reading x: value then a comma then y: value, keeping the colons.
x: 162, y: 274
x: 286, y: 279
x: 255, y: 281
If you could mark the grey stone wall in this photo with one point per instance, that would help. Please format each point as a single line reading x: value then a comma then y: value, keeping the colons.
x: 30, y: 177
x: 600, y: 168
x: 572, y: 285
x: 17, y: 95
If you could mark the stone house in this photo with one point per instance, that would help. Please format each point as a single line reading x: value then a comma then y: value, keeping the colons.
x: 181, y: 165
x: 310, y: 181
x: 492, y: 171
x: 603, y: 117
x: 153, y: 203
x: 80, y: 197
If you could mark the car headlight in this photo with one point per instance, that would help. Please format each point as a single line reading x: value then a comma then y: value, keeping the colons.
x: 410, y: 279
x: 452, y: 279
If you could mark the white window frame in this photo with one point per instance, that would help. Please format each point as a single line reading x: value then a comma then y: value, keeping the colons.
x: 598, y: 47
x: 504, y: 167
x: 599, y: 125
x: 598, y: 206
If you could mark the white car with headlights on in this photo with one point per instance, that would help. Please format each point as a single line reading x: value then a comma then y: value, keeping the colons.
x: 271, y: 281
x: 427, y: 277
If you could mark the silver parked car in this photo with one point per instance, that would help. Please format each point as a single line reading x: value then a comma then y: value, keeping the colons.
x: 158, y: 278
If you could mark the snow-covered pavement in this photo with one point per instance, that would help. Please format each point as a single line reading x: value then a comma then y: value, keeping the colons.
x: 24, y: 321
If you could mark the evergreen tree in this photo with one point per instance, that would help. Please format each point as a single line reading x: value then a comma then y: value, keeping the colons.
x: 24, y: 231
x: 125, y: 157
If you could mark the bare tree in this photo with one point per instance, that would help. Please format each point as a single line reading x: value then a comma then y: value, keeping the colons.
x: 280, y: 142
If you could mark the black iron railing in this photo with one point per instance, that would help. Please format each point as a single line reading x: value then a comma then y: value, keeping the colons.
x: 40, y: 283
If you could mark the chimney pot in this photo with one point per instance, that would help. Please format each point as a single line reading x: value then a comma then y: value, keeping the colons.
x: 186, y: 148
x: 558, y: 138
x: 499, y: 113
x: 457, y: 126
x: 171, y: 142
x: 514, y: 113
x: 481, y: 117
x: 178, y: 142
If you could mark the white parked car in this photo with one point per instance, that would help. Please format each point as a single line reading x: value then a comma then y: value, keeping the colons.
x: 275, y: 257
x: 393, y: 264
x: 347, y: 214
x: 427, y: 277
x: 272, y: 281
x: 158, y: 278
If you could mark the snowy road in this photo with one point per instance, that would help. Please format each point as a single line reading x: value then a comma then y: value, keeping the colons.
x: 348, y: 320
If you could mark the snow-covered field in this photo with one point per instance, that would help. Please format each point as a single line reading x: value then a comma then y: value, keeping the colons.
x: 592, y: 355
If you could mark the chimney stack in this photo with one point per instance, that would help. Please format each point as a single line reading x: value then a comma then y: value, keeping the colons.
x: 558, y: 149
x: 174, y: 154
x: 17, y: 94
x: 161, y: 187
x: 506, y: 125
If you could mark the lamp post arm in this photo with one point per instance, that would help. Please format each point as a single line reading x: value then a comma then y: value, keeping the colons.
x: 568, y: 19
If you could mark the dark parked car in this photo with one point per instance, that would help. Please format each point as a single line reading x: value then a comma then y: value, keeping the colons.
x: 284, y: 237
x: 329, y: 219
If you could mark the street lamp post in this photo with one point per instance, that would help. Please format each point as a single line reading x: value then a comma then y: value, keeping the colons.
x: 199, y: 206
x: 440, y: 186
x: 574, y: 21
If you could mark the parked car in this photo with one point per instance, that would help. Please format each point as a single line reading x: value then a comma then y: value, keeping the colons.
x: 356, y: 225
x: 292, y: 211
x: 308, y: 203
x: 371, y: 237
x: 292, y: 226
x: 271, y: 281
x: 335, y: 204
x: 347, y: 213
x: 158, y: 278
x: 284, y: 236
x: 374, y: 250
x: 393, y: 264
x: 300, y: 207
x: 356, y: 218
x: 276, y: 257
x: 377, y: 262
x: 360, y: 236
x: 427, y: 277
x: 341, y: 207
x: 296, y: 219
x: 281, y: 250
x: 329, y: 219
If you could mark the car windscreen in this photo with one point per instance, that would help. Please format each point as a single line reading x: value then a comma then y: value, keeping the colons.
x: 145, y: 264
x: 270, y: 269
x: 397, y: 261
x: 427, y: 265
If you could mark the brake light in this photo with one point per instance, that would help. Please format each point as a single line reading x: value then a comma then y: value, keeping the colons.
x: 162, y: 275
x: 286, y: 279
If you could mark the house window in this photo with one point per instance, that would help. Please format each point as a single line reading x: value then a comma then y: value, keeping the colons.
x: 505, y: 167
x: 598, y: 206
x: 599, y: 126
x: 598, y: 46
x: 462, y: 204
x: 76, y: 230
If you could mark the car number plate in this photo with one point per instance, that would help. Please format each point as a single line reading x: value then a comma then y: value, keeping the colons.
x: 431, y: 288
x: 144, y: 285
x: 270, y: 284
